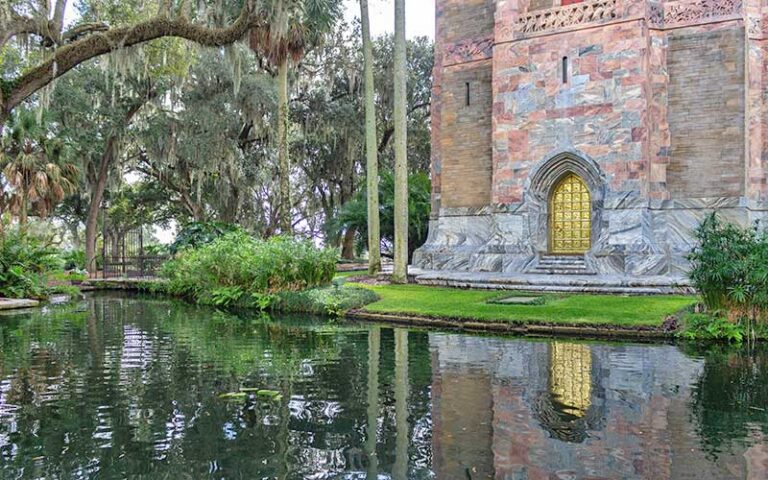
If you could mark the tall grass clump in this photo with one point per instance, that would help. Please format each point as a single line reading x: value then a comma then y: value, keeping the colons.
x: 239, y: 269
x: 729, y: 268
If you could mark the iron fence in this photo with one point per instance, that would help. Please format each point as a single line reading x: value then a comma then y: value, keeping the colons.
x: 124, y: 255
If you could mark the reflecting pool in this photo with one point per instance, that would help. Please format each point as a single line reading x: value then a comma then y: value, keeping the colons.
x: 131, y: 387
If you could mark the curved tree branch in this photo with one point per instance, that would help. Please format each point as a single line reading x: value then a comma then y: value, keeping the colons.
x: 68, y: 56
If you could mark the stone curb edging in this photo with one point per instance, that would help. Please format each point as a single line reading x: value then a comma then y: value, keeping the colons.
x: 17, y: 303
x: 607, y: 331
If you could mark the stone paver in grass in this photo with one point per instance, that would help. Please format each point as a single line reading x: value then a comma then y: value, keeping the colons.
x: 519, y: 300
x: 16, y: 303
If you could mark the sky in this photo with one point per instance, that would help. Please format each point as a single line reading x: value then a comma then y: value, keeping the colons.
x: 419, y: 16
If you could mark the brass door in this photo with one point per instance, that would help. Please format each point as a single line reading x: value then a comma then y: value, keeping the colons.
x: 570, y: 217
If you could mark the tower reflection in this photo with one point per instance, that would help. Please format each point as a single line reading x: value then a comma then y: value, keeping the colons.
x: 541, y: 410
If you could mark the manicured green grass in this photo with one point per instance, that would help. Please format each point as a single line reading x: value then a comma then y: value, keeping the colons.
x: 568, y: 309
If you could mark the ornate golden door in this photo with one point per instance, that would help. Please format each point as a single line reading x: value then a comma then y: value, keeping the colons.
x: 570, y: 216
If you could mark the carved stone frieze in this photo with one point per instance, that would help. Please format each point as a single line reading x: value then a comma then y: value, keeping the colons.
x: 467, y: 51
x: 568, y: 16
x: 697, y: 11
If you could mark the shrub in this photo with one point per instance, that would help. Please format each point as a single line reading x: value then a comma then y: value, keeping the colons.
x: 74, y: 259
x: 730, y: 269
x: 25, y: 264
x: 332, y: 301
x: 237, y: 267
x: 197, y: 234
x: 699, y: 326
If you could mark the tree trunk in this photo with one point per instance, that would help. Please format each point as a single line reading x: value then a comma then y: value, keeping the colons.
x: 110, y: 152
x: 400, y: 274
x: 348, y: 244
x: 371, y: 154
x: 284, y: 165
x: 23, y: 210
x: 91, y: 222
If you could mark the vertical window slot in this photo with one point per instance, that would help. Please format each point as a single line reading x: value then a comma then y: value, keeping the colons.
x: 565, y: 70
x: 467, y: 99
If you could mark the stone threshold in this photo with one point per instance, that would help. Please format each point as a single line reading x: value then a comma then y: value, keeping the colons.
x: 17, y: 303
x: 529, y: 282
x: 518, y: 328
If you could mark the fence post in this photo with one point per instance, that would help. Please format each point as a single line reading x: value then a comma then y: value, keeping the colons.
x: 141, y: 252
x: 103, y: 242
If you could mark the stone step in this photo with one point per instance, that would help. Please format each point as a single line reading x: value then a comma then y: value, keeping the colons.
x: 566, y: 266
x: 528, y: 282
x: 561, y: 265
x: 561, y: 271
x: 561, y: 259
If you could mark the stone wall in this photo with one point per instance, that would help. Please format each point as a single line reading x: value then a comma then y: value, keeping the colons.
x: 706, y: 113
x: 466, y: 139
x: 461, y: 132
x: 600, y: 111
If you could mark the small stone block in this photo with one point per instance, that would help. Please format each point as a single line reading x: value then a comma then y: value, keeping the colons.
x: 520, y: 301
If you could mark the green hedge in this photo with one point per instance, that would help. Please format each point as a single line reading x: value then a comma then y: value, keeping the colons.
x: 237, y: 268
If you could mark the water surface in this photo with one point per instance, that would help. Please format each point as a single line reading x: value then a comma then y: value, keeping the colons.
x: 129, y: 387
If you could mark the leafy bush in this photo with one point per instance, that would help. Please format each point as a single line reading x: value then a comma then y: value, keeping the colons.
x: 197, y: 234
x: 24, y: 266
x: 730, y: 270
x: 699, y: 326
x: 333, y: 301
x: 238, y: 268
x: 74, y: 259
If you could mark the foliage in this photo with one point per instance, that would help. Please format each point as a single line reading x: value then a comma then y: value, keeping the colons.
x: 35, y: 165
x: 197, y: 234
x: 355, y: 213
x: 237, y: 266
x: 729, y: 268
x: 73, y: 259
x: 25, y: 263
x: 333, y: 301
x: 614, y: 310
x: 700, y: 326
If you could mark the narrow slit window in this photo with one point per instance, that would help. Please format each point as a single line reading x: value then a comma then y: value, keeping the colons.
x: 565, y: 69
x: 467, y: 99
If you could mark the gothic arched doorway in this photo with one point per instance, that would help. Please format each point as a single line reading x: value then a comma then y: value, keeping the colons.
x: 570, y: 216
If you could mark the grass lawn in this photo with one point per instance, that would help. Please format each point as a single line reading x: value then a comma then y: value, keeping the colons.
x: 569, y: 309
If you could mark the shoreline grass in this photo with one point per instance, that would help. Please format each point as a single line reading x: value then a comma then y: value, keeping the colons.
x: 565, y: 309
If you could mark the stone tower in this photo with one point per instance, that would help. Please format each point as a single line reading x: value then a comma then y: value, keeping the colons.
x: 591, y: 137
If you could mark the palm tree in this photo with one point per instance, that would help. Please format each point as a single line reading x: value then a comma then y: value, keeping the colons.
x: 371, y: 154
x: 400, y: 274
x: 36, y: 168
x: 294, y: 26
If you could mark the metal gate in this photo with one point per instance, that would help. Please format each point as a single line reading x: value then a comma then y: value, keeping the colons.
x: 124, y: 256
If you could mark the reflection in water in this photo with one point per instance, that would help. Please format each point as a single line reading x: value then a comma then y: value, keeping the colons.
x: 130, y: 387
x: 570, y: 377
x: 566, y: 410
